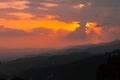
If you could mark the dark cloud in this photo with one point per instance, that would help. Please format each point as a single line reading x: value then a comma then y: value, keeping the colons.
x: 8, y: 32
x: 42, y: 31
x: 100, y: 10
x: 78, y: 34
x: 104, y: 24
x: 108, y: 3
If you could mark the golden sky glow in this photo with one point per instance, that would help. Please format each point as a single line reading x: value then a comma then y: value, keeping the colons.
x: 29, y: 24
x: 46, y: 23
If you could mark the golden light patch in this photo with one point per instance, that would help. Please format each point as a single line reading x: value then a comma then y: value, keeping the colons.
x: 79, y: 6
x: 30, y: 24
x: 91, y: 27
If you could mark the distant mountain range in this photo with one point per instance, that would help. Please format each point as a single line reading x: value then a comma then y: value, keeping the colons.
x: 79, y: 70
x: 86, y: 56
x: 15, y: 53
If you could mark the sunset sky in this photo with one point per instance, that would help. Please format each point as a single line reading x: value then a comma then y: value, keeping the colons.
x: 58, y: 23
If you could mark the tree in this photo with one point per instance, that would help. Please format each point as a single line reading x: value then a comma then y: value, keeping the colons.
x: 17, y: 78
x: 2, y: 79
x: 110, y: 70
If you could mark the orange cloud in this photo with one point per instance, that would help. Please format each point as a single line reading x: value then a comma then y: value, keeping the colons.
x: 49, y: 4
x: 98, y: 33
x: 21, y: 15
x: 43, y: 9
x: 29, y: 24
x: 79, y: 6
x: 51, y: 16
x: 91, y: 27
x: 14, y: 4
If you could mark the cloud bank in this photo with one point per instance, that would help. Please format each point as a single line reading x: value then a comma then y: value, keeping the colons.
x: 58, y: 23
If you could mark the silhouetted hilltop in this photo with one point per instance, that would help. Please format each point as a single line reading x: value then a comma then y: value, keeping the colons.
x: 105, y: 47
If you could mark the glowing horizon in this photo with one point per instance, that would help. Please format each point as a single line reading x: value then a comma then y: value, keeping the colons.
x: 57, y: 23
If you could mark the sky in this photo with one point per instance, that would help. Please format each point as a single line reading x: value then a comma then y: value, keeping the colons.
x: 58, y: 23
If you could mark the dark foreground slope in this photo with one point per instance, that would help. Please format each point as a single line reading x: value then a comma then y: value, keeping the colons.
x: 80, y: 70
x: 101, y: 67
